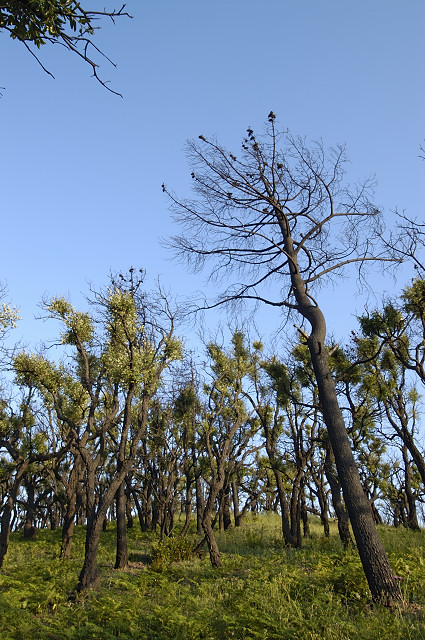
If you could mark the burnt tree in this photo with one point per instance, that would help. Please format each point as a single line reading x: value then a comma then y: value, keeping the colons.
x: 281, y: 219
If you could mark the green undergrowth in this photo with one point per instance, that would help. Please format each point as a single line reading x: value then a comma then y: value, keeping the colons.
x: 263, y: 590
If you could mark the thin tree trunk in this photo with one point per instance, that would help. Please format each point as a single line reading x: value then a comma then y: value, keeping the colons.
x: 5, y: 528
x: 288, y: 536
x: 324, y: 512
x: 235, y: 499
x: 199, y: 504
x: 8, y: 510
x: 139, y: 509
x: 340, y: 512
x: 227, y: 520
x: 213, y: 549
x: 30, y: 530
x: 304, y: 513
x: 73, y: 497
x: 187, y: 507
x: 412, y: 518
x: 128, y: 509
x: 68, y: 528
x: 295, y: 509
x: 121, y: 559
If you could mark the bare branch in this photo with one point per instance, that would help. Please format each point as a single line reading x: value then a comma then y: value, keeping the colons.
x: 64, y: 23
x: 277, y: 207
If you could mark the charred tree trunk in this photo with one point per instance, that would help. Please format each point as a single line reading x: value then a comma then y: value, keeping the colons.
x: 89, y: 576
x: 5, y: 528
x: 199, y: 504
x: 235, y: 499
x: 129, y: 515
x: 96, y: 516
x: 140, y: 513
x: 340, y: 512
x: 68, y: 528
x: 8, y: 510
x: 225, y: 520
x: 73, y: 494
x: 376, y: 566
x: 30, y: 531
x: 376, y: 515
x: 288, y: 534
x: 128, y: 507
x: 412, y: 518
x: 187, y: 507
x: 295, y: 509
x: 285, y: 512
x: 324, y: 512
x: 207, y: 528
x: 304, y: 513
x: 121, y: 559
x: 213, y: 549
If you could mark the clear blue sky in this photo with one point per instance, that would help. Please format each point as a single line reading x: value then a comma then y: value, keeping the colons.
x: 81, y: 169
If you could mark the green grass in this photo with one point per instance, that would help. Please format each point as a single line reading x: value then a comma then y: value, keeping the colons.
x: 263, y: 591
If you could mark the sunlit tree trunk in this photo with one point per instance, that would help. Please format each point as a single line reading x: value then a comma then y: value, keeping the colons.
x: 280, y: 212
x: 377, y: 568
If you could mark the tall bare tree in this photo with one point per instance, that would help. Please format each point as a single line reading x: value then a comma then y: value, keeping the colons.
x: 281, y: 212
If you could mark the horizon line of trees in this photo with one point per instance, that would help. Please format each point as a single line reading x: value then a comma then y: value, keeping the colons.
x: 127, y: 425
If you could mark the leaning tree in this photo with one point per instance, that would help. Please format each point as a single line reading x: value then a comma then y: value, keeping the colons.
x: 279, y: 217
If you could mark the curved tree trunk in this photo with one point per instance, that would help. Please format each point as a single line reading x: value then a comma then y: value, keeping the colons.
x: 213, y: 549
x: 376, y: 566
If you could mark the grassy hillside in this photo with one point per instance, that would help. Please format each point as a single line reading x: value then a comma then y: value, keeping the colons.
x: 263, y: 591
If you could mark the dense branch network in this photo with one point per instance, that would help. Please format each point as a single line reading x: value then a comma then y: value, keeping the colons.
x: 278, y: 190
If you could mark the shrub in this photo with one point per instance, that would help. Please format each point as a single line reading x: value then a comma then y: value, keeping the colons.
x: 170, y: 550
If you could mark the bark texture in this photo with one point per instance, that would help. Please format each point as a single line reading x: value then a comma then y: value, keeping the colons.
x: 376, y: 566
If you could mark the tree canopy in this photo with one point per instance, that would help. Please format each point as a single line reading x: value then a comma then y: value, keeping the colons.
x: 65, y: 22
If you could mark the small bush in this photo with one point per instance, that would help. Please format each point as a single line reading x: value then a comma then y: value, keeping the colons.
x: 170, y: 550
